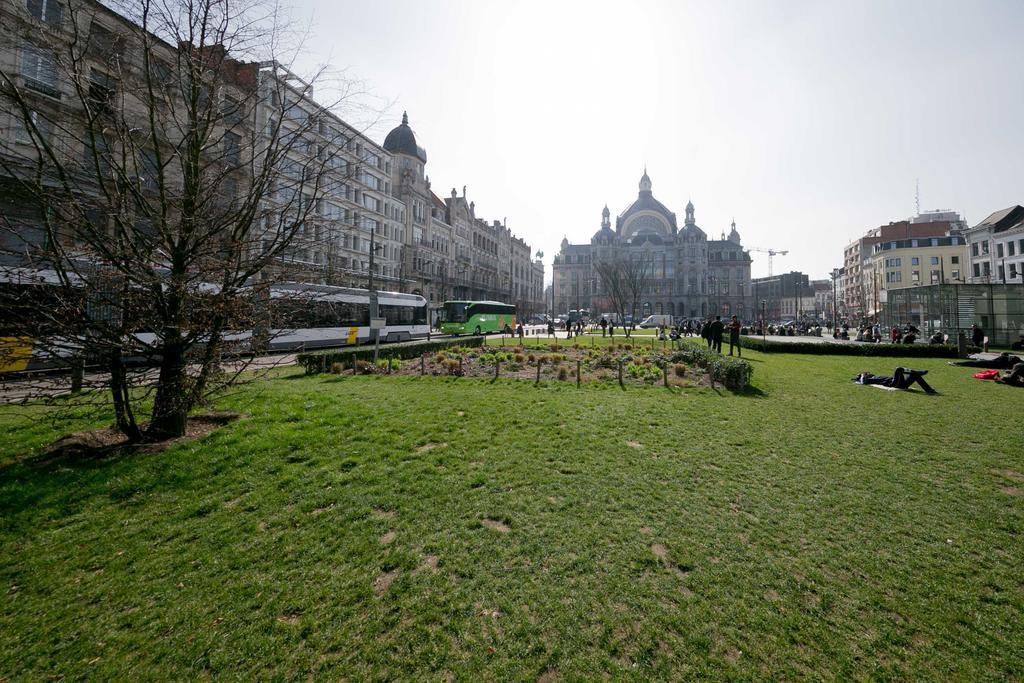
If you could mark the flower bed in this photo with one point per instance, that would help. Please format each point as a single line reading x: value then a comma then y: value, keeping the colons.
x: 640, y: 366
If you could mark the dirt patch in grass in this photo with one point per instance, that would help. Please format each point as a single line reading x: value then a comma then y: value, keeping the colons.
x: 290, y: 618
x: 322, y: 510
x: 108, y: 441
x: 384, y: 581
x: 429, y: 564
x: 234, y: 501
x: 549, y: 676
x: 387, y: 538
x: 1012, y: 490
x: 1009, y: 474
x: 429, y: 447
x: 661, y: 552
x: 634, y: 444
x: 496, y: 525
x: 380, y: 513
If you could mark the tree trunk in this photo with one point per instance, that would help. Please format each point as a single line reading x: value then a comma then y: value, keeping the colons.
x: 170, y: 407
x: 123, y: 415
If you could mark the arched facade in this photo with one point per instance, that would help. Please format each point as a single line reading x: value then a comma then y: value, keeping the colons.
x: 690, y: 276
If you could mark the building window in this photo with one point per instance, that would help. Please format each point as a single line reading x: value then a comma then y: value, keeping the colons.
x: 977, y: 270
x: 984, y: 247
x: 999, y: 250
x: 954, y: 260
x: 45, y: 10
x: 915, y: 275
x: 1013, y: 271
x: 23, y: 130
x: 915, y: 261
x: 935, y: 276
x: 232, y: 148
x: 956, y: 274
x: 935, y: 260
x: 1010, y: 251
x: 974, y: 249
x: 39, y: 69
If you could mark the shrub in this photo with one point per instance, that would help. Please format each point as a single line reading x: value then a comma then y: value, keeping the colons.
x: 452, y: 366
x: 555, y: 358
x: 679, y: 369
x: 734, y: 373
x: 519, y: 358
x: 530, y: 357
x: 856, y: 349
x: 563, y: 374
x: 337, y: 368
x: 440, y: 357
x: 363, y: 367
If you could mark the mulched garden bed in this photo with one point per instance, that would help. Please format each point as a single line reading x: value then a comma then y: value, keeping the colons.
x: 556, y: 363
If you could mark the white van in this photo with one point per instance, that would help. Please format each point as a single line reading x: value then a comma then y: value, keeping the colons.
x: 656, y: 321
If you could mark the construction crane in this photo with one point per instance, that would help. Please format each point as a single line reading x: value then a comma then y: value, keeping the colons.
x: 771, y: 253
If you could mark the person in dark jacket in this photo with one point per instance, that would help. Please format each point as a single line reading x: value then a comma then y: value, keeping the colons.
x: 717, y: 328
x: 734, y: 336
x: 977, y: 335
x: 902, y: 378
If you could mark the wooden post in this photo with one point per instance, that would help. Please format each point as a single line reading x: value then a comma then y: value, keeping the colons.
x: 77, y: 374
x: 460, y: 366
x: 538, y: 371
x: 497, y: 369
x: 620, y: 375
x: 423, y: 364
x: 578, y: 375
x: 353, y: 363
x: 664, y: 369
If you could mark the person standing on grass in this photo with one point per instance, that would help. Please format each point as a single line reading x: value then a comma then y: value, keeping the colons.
x: 551, y: 328
x: 717, y: 328
x: 604, y: 326
x: 734, y: 336
x: 977, y: 335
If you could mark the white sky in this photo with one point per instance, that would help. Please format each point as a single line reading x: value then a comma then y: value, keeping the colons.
x: 807, y: 121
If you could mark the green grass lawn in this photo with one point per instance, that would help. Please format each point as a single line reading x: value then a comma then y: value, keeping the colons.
x: 423, y: 528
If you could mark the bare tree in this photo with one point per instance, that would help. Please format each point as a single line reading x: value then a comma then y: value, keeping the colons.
x: 624, y: 280
x: 171, y: 165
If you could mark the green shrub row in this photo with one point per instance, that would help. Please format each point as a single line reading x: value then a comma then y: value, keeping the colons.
x: 734, y: 373
x: 855, y: 349
x: 321, y: 361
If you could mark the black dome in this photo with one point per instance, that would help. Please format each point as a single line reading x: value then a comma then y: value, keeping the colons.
x: 401, y: 140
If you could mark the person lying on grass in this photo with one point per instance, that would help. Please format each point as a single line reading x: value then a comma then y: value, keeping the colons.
x: 902, y: 378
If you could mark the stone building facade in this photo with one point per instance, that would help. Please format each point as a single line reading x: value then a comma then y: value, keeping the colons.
x: 450, y: 253
x: 376, y: 221
x: 689, y: 275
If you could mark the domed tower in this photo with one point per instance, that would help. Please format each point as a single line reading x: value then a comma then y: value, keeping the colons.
x: 645, y: 183
x: 646, y: 219
x: 402, y: 140
x: 605, y: 236
x: 734, y: 235
x: 689, y: 214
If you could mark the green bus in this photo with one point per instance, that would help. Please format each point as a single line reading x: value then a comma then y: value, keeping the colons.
x: 477, y: 317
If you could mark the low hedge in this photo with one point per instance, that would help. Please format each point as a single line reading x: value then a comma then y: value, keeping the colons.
x: 734, y: 373
x: 321, y: 361
x: 855, y: 349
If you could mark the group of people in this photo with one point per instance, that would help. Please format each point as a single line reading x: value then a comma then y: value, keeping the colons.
x: 713, y: 330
